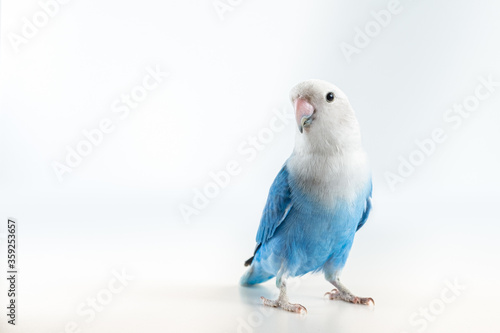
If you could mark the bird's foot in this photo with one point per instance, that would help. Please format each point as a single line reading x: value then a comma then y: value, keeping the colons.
x: 336, y: 294
x: 285, y: 305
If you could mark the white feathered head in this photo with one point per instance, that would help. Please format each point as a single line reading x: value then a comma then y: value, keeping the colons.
x: 324, y: 116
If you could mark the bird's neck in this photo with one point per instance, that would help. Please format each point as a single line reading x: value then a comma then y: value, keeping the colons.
x: 330, y: 175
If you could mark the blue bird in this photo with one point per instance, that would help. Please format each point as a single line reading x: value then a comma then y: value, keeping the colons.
x: 319, y: 199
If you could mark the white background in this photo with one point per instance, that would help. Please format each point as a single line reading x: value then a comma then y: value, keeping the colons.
x: 120, y: 208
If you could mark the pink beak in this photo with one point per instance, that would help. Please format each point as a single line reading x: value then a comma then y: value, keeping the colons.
x: 303, y: 112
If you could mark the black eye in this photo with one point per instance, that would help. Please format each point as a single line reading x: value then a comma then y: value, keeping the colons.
x: 329, y: 97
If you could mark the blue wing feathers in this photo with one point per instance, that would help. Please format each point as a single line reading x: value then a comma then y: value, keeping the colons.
x: 279, y: 203
x: 367, y: 210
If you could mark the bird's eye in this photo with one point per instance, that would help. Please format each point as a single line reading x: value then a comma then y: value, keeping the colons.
x: 329, y: 97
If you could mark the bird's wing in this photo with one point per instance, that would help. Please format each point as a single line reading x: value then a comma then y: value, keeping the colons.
x: 368, y: 208
x: 279, y: 203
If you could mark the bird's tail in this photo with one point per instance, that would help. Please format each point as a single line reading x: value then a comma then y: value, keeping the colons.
x: 249, y: 261
x: 254, y: 275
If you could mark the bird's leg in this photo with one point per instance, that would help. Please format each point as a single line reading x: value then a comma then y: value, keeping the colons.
x: 282, y: 301
x: 340, y: 292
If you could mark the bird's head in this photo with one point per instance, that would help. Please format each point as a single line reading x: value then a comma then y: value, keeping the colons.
x: 324, y: 116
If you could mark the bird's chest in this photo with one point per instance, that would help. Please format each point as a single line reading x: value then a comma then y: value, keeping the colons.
x: 329, y: 181
x: 329, y: 196
x: 330, y: 224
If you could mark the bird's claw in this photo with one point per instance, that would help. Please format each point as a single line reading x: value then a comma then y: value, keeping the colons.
x: 364, y: 300
x: 335, y: 294
x: 332, y: 293
x: 285, y: 305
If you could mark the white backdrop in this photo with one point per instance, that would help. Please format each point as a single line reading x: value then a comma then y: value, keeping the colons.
x: 187, y: 89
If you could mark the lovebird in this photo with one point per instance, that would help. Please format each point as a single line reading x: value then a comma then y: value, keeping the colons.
x: 318, y: 201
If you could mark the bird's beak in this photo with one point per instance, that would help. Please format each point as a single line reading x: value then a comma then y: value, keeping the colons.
x: 303, y: 113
